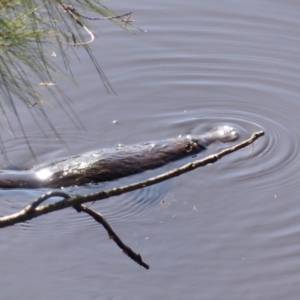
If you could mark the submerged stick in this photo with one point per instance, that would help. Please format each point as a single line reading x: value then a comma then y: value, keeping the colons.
x: 112, y: 235
x: 32, y: 211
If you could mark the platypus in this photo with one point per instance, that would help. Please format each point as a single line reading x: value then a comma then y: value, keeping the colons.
x: 114, y: 163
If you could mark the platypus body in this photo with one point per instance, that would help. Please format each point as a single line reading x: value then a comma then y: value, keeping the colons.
x: 111, y: 164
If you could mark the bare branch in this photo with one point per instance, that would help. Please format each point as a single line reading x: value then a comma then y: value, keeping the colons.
x: 32, y: 211
x: 112, y: 235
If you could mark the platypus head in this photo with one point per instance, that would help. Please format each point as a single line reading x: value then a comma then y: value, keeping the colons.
x: 222, y: 134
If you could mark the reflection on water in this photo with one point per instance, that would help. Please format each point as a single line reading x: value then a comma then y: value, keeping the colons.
x: 228, y: 230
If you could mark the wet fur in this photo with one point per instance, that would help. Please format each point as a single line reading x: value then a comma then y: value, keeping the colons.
x: 111, y: 164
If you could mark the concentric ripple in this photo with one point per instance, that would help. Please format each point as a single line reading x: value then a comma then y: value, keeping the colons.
x: 271, y: 162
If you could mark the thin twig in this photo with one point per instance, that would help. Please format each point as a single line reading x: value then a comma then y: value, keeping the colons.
x: 75, y: 200
x: 80, y: 44
x: 74, y: 15
x: 43, y: 198
x: 71, y: 10
x: 112, y: 235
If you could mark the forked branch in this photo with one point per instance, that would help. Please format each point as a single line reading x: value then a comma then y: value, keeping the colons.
x: 73, y: 200
x: 35, y: 210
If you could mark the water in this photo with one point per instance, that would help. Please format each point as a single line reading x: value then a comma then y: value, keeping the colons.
x: 225, y: 231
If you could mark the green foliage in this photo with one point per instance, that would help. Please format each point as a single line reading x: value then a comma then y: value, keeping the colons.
x: 29, y: 31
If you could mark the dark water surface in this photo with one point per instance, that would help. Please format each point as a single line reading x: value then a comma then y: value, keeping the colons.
x: 227, y: 231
